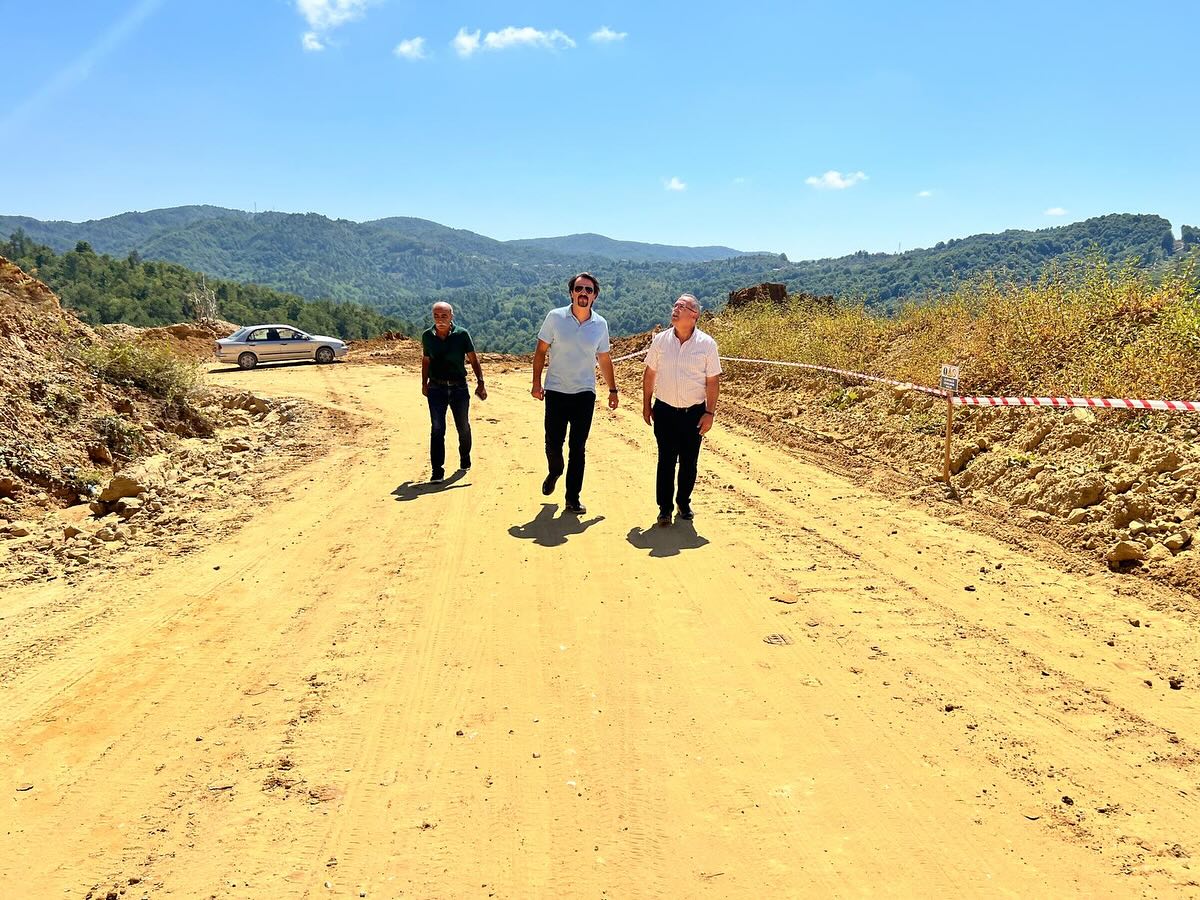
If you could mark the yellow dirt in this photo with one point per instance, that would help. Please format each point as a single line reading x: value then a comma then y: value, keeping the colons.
x: 379, y: 689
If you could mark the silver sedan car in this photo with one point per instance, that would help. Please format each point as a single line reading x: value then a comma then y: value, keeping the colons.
x: 256, y: 344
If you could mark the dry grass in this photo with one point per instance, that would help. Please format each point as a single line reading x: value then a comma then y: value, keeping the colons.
x: 1092, y: 329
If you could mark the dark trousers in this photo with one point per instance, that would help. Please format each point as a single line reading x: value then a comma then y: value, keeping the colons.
x: 563, y: 410
x: 678, y: 436
x: 458, y: 398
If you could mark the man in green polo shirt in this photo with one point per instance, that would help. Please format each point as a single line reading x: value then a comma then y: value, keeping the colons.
x: 445, y: 350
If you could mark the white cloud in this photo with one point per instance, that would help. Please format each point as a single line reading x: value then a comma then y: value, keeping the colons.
x: 323, y: 16
x: 741, y: 179
x: 516, y: 37
x: 606, y: 35
x: 835, y: 181
x: 674, y: 184
x: 1056, y: 211
x: 465, y: 42
x: 924, y: 193
x: 412, y: 48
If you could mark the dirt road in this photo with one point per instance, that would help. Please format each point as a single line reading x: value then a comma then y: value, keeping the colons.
x: 378, y: 688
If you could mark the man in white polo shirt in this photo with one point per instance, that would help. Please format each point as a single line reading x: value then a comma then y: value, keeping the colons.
x: 576, y: 337
x: 683, y: 375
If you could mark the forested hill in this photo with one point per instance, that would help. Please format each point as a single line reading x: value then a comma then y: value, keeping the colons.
x: 100, y: 289
x: 886, y: 278
x: 502, y: 289
x: 599, y: 245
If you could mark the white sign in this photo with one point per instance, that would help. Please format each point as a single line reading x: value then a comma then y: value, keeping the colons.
x: 949, y: 378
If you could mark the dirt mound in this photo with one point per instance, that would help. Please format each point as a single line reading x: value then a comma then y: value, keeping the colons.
x: 1118, y: 487
x: 191, y: 339
x: 390, y: 348
x: 66, y: 430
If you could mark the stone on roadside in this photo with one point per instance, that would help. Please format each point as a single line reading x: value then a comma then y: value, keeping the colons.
x: 1078, y: 415
x: 121, y: 486
x: 99, y: 453
x: 17, y: 529
x: 1125, y: 551
x: 1158, y: 553
x: 1168, y: 462
x: 1178, y: 541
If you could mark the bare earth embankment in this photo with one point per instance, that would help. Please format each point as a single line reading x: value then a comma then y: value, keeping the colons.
x: 374, y: 687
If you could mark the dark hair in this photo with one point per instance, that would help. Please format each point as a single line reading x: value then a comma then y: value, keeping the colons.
x: 589, y: 276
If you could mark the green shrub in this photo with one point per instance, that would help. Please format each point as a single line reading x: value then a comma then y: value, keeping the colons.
x: 120, y: 435
x: 153, y: 367
x: 60, y: 401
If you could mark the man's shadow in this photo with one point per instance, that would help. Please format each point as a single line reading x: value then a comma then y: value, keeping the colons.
x: 411, y: 490
x: 547, y: 531
x: 669, y: 541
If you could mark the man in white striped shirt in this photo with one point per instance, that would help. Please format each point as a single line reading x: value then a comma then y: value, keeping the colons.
x: 683, y: 376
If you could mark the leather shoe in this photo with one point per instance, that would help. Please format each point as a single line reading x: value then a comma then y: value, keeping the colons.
x: 577, y: 508
x: 548, y: 485
x: 664, y: 518
x: 685, y: 512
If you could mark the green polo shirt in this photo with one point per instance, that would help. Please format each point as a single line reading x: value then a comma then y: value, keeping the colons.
x: 448, y: 355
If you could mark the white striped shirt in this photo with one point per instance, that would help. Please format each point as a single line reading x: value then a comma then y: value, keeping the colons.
x: 680, y: 369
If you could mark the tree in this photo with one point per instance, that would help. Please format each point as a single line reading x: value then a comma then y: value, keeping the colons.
x: 1191, y: 235
x: 201, y: 302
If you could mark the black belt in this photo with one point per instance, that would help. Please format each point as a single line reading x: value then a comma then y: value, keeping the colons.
x: 445, y: 382
x: 681, y: 408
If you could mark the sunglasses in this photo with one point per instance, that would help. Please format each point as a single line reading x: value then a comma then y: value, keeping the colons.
x: 584, y: 289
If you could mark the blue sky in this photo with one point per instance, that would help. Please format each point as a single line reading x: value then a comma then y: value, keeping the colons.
x: 811, y: 129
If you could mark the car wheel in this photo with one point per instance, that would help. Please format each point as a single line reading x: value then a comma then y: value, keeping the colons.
x: 247, y: 360
x: 324, y: 355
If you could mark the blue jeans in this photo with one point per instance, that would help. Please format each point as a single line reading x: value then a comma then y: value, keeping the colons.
x: 458, y: 398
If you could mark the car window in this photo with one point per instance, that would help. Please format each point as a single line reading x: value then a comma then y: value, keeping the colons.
x: 259, y: 334
x: 286, y: 334
x: 272, y: 334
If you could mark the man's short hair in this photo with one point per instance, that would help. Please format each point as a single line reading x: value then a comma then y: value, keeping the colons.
x: 692, y: 297
x: 589, y: 276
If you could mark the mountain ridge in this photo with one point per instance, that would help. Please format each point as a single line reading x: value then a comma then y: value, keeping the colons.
x: 502, y: 289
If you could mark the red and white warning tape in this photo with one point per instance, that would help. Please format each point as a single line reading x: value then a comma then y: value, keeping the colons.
x: 1092, y: 402
x: 1095, y: 402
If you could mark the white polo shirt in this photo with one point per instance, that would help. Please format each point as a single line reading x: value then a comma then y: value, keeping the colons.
x: 680, y: 369
x: 573, y: 349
